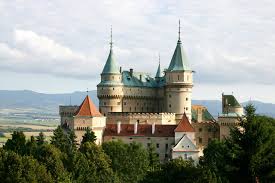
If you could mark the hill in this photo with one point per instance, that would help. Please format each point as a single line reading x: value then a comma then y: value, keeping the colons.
x: 41, y: 103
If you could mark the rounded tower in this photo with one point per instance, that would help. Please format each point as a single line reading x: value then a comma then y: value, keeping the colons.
x: 109, y: 90
x: 179, y: 84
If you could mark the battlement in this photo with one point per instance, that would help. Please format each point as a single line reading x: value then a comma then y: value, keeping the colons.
x: 141, y: 118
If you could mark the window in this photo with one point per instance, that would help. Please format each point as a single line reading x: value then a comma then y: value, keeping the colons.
x: 186, y: 99
x: 166, y: 155
x: 130, y: 138
x: 209, y: 129
x: 209, y: 140
x: 185, y: 156
x: 148, y: 144
x: 113, y: 88
x: 111, y: 109
x: 200, y: 129
x: 113, y: 77
x: 118, y: 103
x: 200, y: 140
x: 166, y: 147
x: 186, y: 108
x: 170, y: 105
x: 178, y: 77
x: 113, y: 138
x: 157, y: 145
x: 104, y: 103
x: 124, y: 103
x: 157, y: 154
x: 169, y: 96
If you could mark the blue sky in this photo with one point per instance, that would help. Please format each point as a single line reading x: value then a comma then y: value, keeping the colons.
x: 61, y: 46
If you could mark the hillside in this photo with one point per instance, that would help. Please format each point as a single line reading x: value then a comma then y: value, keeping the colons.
x: 39, y: 103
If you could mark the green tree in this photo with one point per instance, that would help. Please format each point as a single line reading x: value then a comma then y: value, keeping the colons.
x: 41, y: 139
x: 248, y: 153
x: 154, y: 161
x: 89, y: 136
x: 31, y: 146
x: 52, y: 157
x: 16, y: 143
x: 93, y: 165
x: 17, y: 169
x: 129, y: 161
x: 64, y: 140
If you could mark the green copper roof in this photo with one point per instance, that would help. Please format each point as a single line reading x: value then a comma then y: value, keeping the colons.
x: 206, y: 116
x: 230, y: 100
x: 158, y: 74
x: 179, y: 61
x: 111, y: 65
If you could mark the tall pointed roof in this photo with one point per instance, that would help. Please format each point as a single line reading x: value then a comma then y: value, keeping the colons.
x: 184, y: 125
x: 179, y: 60
x: 87, y: 108
x: 111, y: 65
x: 158, y: 74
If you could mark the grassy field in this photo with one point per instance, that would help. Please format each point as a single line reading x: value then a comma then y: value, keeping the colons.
x: 30, y: 127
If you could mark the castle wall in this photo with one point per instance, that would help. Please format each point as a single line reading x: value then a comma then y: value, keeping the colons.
x: 66, y: 114
x: 205, y: 132
x: 141, y: 118
x: 226, y: 123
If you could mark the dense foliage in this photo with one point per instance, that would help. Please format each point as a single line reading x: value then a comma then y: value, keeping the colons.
x: 246, y: 156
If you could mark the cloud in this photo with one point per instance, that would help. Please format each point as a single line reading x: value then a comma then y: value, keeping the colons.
x: 225, y: 41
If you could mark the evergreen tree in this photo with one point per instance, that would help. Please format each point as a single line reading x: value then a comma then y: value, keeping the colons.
x: 154, y: 161
x: 89, y: 136
x: 17, y: 169
x: 16, y: 143
x: 40, y: 139
x: 31, y: 146
x: 94, y: 166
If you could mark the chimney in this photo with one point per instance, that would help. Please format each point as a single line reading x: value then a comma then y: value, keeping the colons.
x: 135, y: 128
x: 118, y: 127
x: 153, y: 128
x: 131, y: 72
x: 120, y: 69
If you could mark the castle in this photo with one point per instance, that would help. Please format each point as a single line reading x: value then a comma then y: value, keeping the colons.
x: 133, y: 106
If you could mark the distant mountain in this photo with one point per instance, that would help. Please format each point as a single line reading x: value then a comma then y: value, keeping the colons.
x: 50, y: 102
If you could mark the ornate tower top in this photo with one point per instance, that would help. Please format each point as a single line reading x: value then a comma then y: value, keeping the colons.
x: 111, y: 65
x: 179, y: 60
x: 158, y: 74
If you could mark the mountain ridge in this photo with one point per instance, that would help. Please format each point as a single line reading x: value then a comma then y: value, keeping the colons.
x: 14, y: 99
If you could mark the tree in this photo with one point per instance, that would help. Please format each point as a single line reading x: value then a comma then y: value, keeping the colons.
x: 16, y: 143
x: 154, y: 162
x: 52, y: 157
x: 31, y: 146
x: 93, y: 165
x: 248, y: 153
x: 16, y: 169
x: 40, y: 139
x: 129, y: 161
x: 89, y: 136
x: 179, y: 170
x: 64, y: 140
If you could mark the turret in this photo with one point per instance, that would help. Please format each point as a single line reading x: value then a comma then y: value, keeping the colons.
x: 179, y: 83
x: 109, y: 90
x: 158, y: 73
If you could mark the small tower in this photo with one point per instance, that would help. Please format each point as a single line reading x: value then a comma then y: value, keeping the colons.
x: 110, y: 88
x: 179, y: 83
x: 158, y: 74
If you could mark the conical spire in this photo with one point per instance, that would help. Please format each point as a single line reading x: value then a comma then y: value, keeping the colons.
x: 179, y: 61
x: 87, y: 108
x: 111, y: 65
x: 158, y: 74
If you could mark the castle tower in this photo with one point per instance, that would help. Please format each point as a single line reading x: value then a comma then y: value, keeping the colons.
x: 109, y: 90
x: 179, y: 83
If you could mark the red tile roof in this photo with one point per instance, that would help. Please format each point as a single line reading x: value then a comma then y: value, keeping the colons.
x: 184, y: 125
x: 87, y: 108
x: 144, y: 130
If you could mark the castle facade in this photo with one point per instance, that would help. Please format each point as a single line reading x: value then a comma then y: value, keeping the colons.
x: 133, y: 106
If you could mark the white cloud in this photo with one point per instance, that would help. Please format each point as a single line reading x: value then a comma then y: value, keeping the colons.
x: 225, y: 41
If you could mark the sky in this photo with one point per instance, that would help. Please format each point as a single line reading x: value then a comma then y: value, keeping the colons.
x: 61, y: 46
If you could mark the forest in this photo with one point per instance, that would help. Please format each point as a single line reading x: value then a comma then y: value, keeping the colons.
x: 247, y: 155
